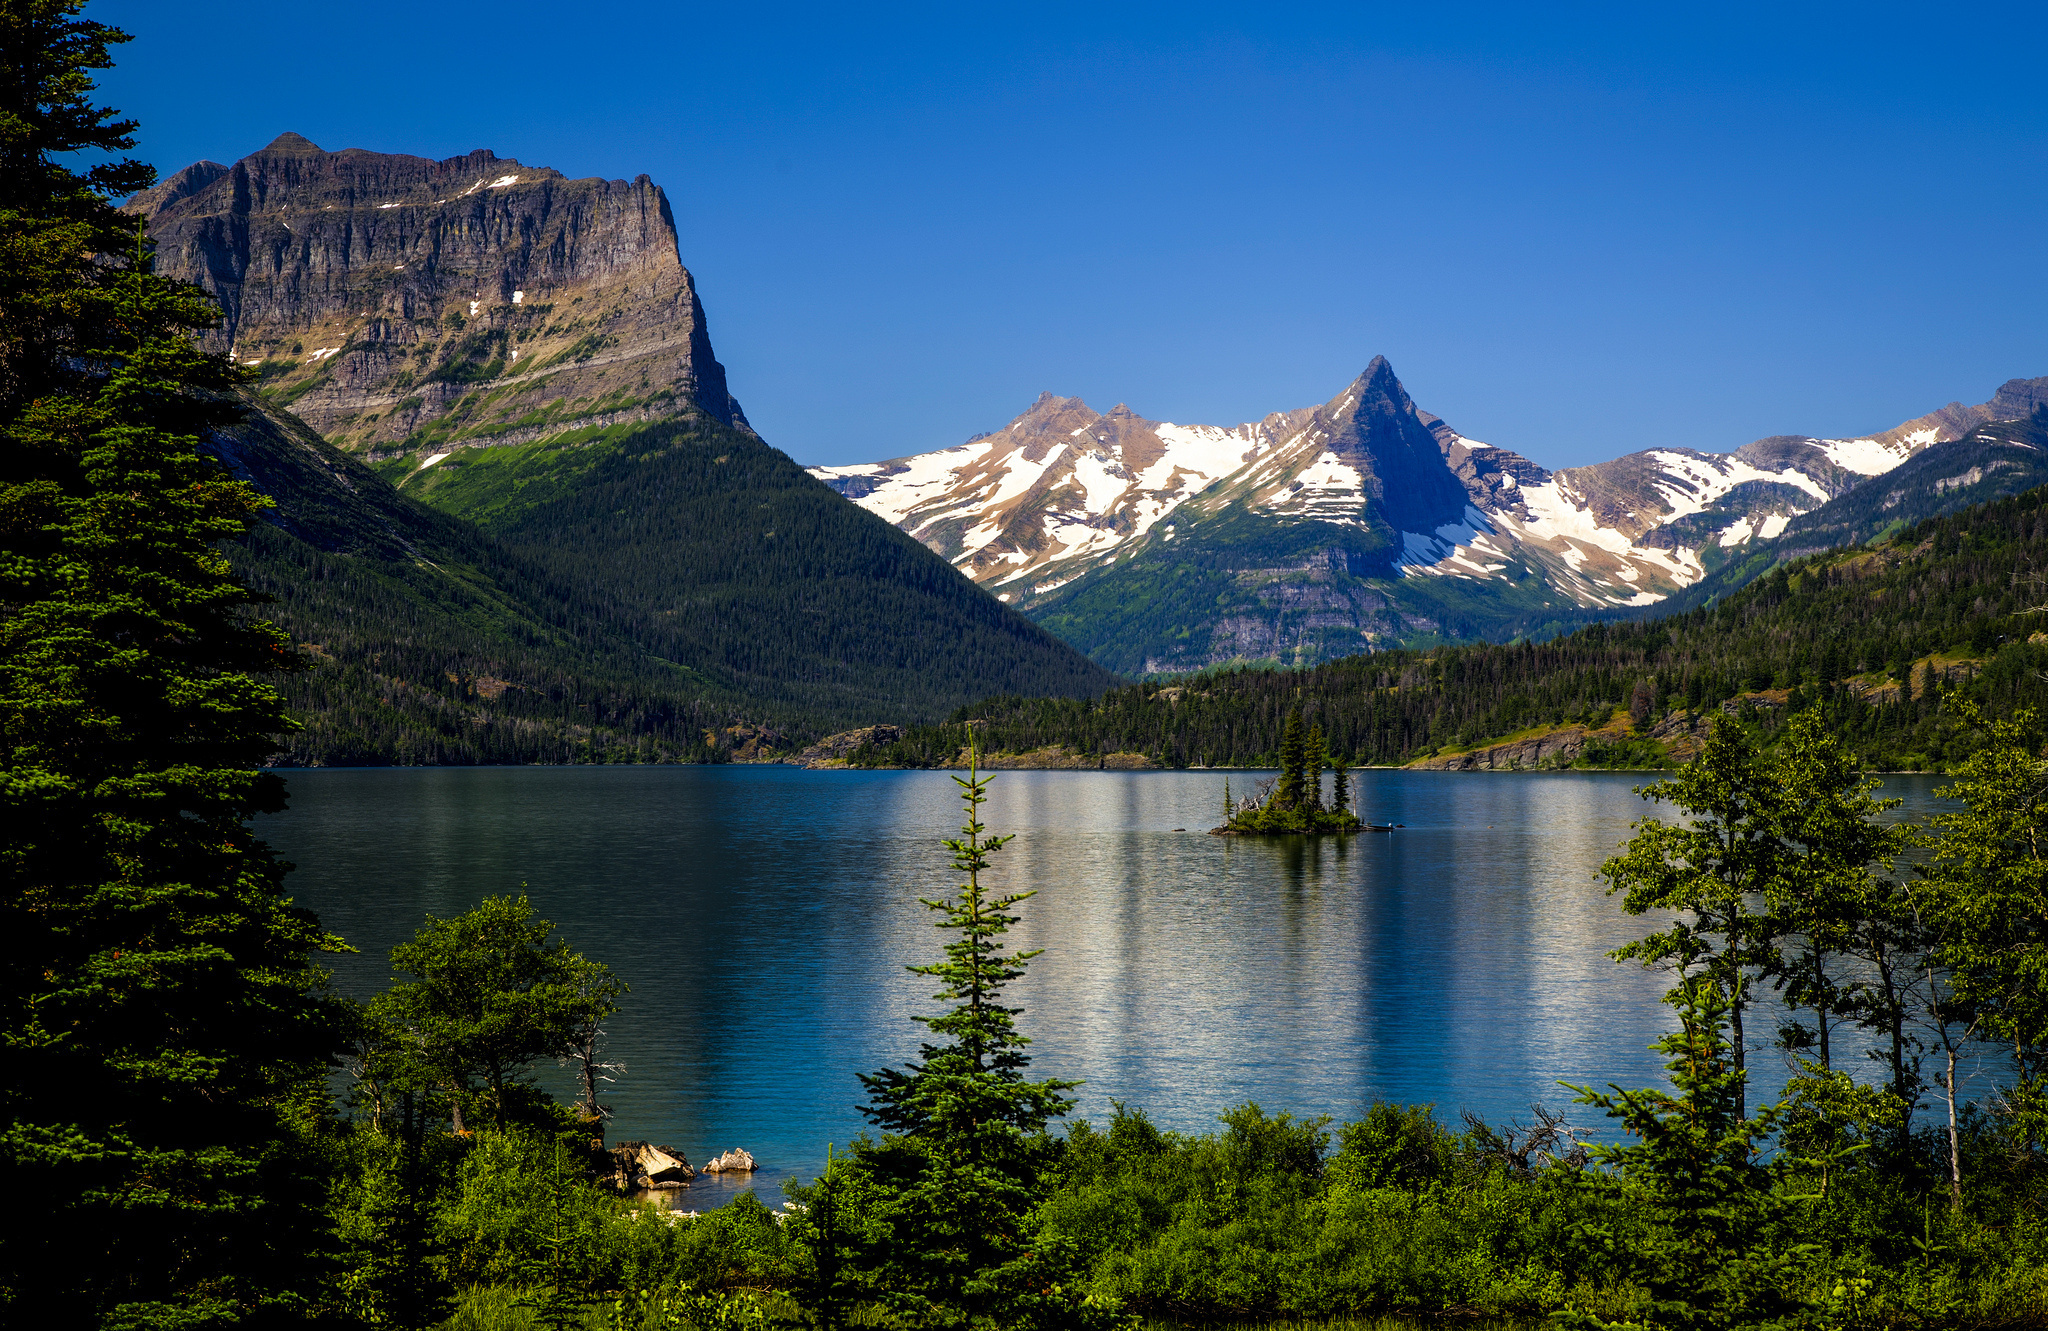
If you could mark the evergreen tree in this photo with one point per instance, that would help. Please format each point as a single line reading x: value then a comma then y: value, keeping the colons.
x: 1293, y: 762
x: 1340, y: 787
x: 948, y: 1241
x: 1707, y: 868
x: 1718, y: 1253
x: 161, y: 1015
x: 1315, y: 757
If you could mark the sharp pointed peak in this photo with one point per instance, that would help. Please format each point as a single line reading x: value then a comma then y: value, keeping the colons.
x: 289, y: 142
x: 1379, y: 374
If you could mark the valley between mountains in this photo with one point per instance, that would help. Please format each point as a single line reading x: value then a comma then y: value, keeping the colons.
x: 520, y: 515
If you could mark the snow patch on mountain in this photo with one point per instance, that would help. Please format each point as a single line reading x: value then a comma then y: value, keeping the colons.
x: 1871, y: 457
x: 1698, y: 482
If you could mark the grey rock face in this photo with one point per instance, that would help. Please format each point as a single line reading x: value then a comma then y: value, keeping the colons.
x: 397, y: 303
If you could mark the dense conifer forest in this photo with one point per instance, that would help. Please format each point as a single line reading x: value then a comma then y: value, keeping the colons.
x: 427, y: 641
x: 708, y: 547
x: 658, y: 595
x: 1883, y: 638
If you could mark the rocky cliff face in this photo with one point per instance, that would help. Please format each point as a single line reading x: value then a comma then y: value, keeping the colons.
x: 402, y: 305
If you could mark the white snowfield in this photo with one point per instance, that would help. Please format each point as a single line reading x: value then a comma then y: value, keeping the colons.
x: 1033, y: 507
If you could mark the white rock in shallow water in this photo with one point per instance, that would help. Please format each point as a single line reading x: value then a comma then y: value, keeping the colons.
x: 732, y: 1162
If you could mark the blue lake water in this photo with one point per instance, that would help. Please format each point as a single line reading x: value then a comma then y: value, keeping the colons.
x: 764, y: 916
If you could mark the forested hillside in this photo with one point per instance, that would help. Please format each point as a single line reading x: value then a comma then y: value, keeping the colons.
x: 650, y: 594
x: 710, y: 548
x: 429, y: 642
x: 1883, y: 638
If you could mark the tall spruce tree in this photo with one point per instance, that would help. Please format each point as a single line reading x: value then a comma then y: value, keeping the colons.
x: 1315, y: 756
x: 1293, y: 763
x: 160, y: 1014
x: 949, y: 1242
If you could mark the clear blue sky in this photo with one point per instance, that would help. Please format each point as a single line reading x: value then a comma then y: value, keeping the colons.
x: 1575, y: 231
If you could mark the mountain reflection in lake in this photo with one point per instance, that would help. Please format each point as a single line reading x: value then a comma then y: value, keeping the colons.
x: 764, y: 915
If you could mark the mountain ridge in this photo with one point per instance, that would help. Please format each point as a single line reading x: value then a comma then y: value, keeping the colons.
x: 601, y: 539
x: 1510, y: 546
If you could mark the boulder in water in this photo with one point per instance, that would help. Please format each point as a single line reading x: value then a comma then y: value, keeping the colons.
x: 732, y: 1162
x: 644, y: 1165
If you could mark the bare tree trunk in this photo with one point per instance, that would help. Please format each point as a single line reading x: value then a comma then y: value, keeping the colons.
x: 1955, y: 1150
x: 1820, y: 1008
x: 1741, y: 1054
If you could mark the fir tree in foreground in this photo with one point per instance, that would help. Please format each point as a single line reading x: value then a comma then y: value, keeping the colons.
x: 163, y: 1025
x: 1721, y: 1247
x: 948, y: 1238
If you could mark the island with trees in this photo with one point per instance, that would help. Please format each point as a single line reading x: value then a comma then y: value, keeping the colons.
x: 1292, y: 803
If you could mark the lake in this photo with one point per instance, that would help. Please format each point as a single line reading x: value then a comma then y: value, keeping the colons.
x: 763, y: 916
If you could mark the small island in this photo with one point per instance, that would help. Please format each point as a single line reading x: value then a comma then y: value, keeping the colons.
x: 1292, y: 803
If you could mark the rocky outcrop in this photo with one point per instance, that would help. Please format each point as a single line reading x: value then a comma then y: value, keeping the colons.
x: 732, y: 1162
x: 1057, y: 758
x: 641, y: 1166
x: 1555, y: 748
x: 834, y: 750
x: 400, y: 304
x: 748, y: 743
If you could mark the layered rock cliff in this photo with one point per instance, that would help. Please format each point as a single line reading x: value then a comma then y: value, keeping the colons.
x: 403, y: 305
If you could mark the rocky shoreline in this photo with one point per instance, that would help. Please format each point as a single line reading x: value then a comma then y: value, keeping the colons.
x: 637, y: 1166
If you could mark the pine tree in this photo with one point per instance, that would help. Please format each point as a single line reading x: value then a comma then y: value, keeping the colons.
x: 1315, y: 757
x: 949, y: 1242
x: 1287, y: 796
x: 1719, y: 1252
x: 160, y: 1012
x: 1340, y: 787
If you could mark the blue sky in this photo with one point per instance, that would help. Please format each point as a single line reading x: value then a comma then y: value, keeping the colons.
x: 1575, y: 231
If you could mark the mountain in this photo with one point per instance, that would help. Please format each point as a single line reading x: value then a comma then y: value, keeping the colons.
x: 1991, y: 461
x: 395, y: 302
x: 1364, y: 523
x: 1884, y: 639
x: 487, y: 371
x: 430, y: 642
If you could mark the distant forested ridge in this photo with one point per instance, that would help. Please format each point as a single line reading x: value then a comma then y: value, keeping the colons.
x: 665, y: 593
x: 1884, y: 638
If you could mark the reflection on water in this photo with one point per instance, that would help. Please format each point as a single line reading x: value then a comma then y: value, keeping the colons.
x: 764, y: 915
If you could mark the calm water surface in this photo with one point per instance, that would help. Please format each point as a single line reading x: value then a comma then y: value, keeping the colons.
x: 764, y: 917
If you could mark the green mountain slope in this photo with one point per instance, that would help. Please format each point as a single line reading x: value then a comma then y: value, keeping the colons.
x: 1878, y: 636
x: 710, y: 548
x: 430, y: 642
x: 645, y: 586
